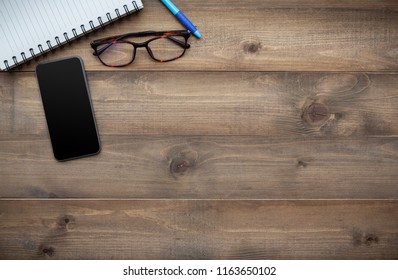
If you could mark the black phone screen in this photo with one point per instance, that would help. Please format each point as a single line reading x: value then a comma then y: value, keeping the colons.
x: 68, y: 109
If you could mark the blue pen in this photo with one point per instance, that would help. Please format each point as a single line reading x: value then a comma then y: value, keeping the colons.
x: 181, y: 17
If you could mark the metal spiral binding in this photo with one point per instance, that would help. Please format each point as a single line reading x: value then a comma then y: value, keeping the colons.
x: 49, y: 45
x: 23, y: 56
x: 126, y: 9
x: 100, y: 21
x: 58, y: 41
x: 40, y: 48
x: 83, y: 29
x: 74, y: 32
x: 117, y: 13
x: 135, y: 5
x: 6, y: 65
x: 66, y: 37
x: 75, y: 35
x: 108, y: 15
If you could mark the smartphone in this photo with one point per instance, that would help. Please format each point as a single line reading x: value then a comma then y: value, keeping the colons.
x: 68, y: 109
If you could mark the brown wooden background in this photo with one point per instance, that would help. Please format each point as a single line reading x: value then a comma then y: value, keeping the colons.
x: 275, y: 136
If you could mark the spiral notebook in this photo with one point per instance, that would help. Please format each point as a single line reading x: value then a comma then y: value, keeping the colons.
x: 31, y: 28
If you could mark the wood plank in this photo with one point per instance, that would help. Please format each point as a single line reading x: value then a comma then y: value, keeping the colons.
x: 280, y: 4
x: 205, y: 167
x: 213, y: 103
x: 267, y: 39
x: 195, y: 229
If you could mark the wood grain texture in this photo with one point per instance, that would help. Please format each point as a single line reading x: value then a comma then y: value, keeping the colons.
x: 257, y: 38
x: 222, y: 167
x: 195, y: 229
x: 214, y: 103
x: 279, y: 4
x: 214, y: 156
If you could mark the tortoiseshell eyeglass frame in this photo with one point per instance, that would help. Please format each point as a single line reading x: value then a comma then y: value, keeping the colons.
x: 155, y: 34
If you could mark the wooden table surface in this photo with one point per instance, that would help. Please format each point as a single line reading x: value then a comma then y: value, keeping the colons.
x: 275, y: 136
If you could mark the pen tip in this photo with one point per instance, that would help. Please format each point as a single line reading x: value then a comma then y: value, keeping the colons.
x: 197, y: 34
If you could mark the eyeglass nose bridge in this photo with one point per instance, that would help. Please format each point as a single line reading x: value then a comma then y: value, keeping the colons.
x: 140, y: 45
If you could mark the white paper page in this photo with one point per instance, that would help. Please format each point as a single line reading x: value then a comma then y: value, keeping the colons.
x: 32, y: 26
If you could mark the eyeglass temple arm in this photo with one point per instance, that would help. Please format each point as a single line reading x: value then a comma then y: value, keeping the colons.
x: 100, y: 51
x: 179, y: 42
x: 144, y: 33
x: 140, y: 34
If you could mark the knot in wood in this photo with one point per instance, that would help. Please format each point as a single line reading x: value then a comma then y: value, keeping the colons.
x: 251, y: 47
x: 301, y: 163
x: 371, y: 239
x: 47, y: 251
x: 316, y: 113
x: 179, y: 166
x: 183, y: 161
x: 66, y: 222
x: 363, y: 238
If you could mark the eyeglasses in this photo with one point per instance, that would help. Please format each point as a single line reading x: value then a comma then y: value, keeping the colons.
x: 164, y: 46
